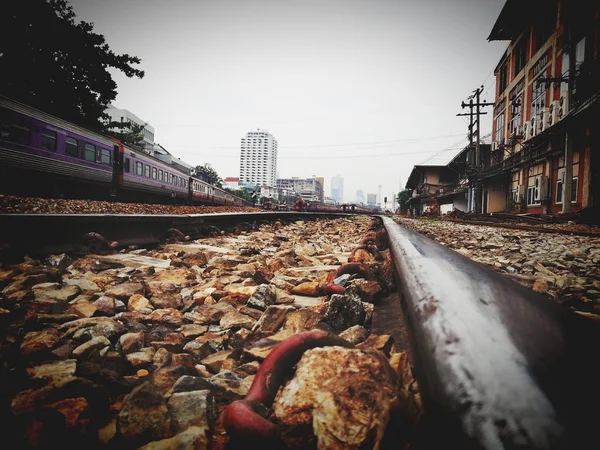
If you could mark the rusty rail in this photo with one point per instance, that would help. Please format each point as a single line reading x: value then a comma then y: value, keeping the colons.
x: 498, y: 365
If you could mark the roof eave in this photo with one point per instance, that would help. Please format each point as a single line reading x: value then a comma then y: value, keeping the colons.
x: 506, y: 26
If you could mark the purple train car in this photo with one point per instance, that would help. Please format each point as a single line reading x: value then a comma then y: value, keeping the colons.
x: 43, y: 155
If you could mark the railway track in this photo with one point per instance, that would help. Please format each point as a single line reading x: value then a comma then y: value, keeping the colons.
x: 526, y: 227
x: 497, y: 365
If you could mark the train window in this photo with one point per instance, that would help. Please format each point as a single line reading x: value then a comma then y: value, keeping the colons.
x: 71, y: 146
x: 126, y: 165
x: 146, y: 170
x: 89, y: 152
x: 104, y: 156
x: 154, y: 173
x: 139, y: 168
x: 160, y: 175
x: 17, y: 130
x: 49, y: 139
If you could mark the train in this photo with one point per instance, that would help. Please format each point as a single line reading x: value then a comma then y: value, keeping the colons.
x: 42, y: 155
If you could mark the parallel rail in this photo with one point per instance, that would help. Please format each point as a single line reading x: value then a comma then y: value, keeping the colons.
x: 498, y: 365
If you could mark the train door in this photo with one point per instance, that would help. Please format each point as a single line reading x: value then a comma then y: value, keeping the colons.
x: 117, y: 178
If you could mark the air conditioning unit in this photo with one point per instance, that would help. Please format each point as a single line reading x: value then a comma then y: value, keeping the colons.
x: 532, y: 127
x: 543, y: 119
x: 552, y: 114
x: 563, y: 105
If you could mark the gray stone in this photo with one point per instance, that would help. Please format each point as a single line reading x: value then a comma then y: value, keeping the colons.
x: 193, y: 408
x: 263, y: 296
x: 344, y: 311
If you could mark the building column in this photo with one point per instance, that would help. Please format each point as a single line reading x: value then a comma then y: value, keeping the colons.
x: 568, y: 182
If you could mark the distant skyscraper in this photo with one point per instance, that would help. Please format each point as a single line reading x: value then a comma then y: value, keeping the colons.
x: 258, y: 158
x: 371, y: 199
x: 337, y: 188
x: 360, y: 196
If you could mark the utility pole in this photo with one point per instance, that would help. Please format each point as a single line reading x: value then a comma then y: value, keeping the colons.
x: 475, y: 121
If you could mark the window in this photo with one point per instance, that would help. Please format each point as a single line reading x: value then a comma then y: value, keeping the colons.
x: 104, y: 156
x: 160, y: 175
x: 146, y: 170
x: 561, y: 179
x: 515, y: 112
x: 15, y: 129
x: 89, y: 152
x: 499, y: 136
x: 154, y: 173
x: 503, y: 78
x: 520, y: 55
x: 538, y: 98
x: 534, y: 184
x: 49, y: 139
x: 71, y: 146
x: 139, y: 168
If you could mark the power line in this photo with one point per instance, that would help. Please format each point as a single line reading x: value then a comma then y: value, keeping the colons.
x: 377, y: 143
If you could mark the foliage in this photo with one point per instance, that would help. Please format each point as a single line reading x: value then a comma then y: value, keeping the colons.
x: 52, y: 62
x: 403, y: 199
x: 208, y: 174
x: 128, y: 133
x: 242, y: 193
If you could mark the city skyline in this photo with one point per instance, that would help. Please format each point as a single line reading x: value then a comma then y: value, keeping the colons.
x: 353, y: 108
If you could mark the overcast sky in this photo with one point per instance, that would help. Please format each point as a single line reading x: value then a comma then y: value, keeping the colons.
x: 361, y: 88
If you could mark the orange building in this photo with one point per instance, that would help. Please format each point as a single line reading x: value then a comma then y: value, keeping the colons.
x: 546, y: 119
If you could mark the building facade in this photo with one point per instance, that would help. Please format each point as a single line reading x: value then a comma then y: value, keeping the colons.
x: 545, y: 149
x: 337, y: 188
x: 308, y: 189
x: 159, y: 152
x: 126, y: 116
x: 321, y: 180
x: 439, y: 184
x: 258, y: 158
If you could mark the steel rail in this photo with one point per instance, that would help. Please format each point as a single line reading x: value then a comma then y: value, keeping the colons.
x: 40, y: 234
x: 498, y: 365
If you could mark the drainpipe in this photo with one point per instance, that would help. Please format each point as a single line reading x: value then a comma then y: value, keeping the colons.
x: 567, y: 194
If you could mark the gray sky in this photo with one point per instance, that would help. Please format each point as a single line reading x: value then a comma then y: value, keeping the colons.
x: 364, y: 88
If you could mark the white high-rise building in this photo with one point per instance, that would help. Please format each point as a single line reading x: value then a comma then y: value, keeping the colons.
x: 337, y: 188
x: 258, y: 158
